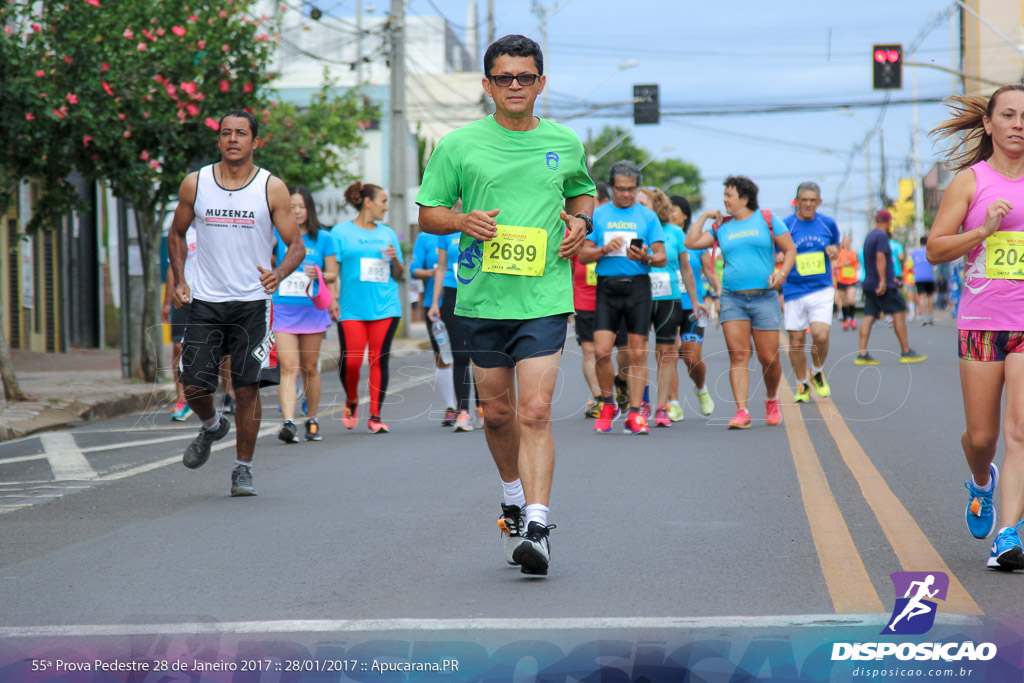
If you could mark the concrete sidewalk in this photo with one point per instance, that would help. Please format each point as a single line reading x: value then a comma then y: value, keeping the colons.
x: 83, y: 385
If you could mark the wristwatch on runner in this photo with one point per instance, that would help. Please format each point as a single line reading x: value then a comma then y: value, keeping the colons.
x: 588, y: 220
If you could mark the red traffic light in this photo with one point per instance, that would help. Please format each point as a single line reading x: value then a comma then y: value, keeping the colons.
x: 890, y: 56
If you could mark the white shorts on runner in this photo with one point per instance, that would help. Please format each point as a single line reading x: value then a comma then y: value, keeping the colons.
x: 816, y: 307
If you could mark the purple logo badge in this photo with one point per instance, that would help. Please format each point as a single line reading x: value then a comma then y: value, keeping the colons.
x: 914, y: 612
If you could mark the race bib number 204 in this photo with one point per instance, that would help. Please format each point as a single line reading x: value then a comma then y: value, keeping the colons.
x: 1004, y: 255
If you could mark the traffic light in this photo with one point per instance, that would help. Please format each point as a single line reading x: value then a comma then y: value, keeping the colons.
x: 646, y: 107
x: 888, y: 65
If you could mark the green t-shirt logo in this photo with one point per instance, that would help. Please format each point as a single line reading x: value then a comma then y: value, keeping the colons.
x: 552, y: 161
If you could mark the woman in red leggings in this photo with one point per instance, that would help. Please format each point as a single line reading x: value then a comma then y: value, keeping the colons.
x: 370, y: 263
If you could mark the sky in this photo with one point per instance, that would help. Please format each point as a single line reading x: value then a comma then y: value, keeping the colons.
x: 744, y: 54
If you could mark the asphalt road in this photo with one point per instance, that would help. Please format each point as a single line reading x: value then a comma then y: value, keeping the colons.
x: 389, y: 541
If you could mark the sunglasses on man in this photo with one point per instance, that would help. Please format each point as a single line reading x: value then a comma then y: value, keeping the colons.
x: 525, y: 80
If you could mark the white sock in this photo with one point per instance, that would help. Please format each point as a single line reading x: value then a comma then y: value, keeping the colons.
x: 988, y: 487
x: 213, y: 421
x: 243, y: 464
x: 513, y: 491
x: 445, y: 378
x: 535, y: 512
x: 699, y: 390
x: 815, y: 371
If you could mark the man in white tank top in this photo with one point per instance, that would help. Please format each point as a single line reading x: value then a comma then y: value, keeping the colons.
x: 234, y: 206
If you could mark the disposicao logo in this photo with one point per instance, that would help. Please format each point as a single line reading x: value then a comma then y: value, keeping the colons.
x: 914, y: 614
x: 552, y: 160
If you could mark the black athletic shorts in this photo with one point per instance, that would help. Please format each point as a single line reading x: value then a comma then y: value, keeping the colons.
x: 927, y: 287
x: 430, y: 333
x: 690, y: 330
x: 666, y: 318
x: 503, y: 343
x: 179, y: 317
x: 623, y: 298
x: 842, y: 288
x: 890, y: 302
x: 585, y: 329
x: 241, y: 329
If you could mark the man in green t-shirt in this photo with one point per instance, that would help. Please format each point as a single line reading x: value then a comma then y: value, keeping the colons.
x: 527, y: 200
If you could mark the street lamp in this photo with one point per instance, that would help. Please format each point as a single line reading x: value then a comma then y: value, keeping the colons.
x: 621, y: 66
x: 666, y: 148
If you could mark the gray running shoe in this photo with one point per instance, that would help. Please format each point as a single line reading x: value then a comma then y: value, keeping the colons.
x: 289, y: 432
x: 198, y: 452
x: 512, y: 524
x: 534, y: 551
x: 241, y: 481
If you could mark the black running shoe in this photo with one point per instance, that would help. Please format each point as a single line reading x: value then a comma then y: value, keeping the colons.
x: 512, y: 524
x: 227, y: 406
x: 289, y: 432
x: 198, y: 452
x: 534, y: 552
x: 313, y: 430
x: 241, y: 481
x: 621, y: 393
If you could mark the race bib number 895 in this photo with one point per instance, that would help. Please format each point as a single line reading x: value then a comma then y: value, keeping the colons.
x: 373, y: 270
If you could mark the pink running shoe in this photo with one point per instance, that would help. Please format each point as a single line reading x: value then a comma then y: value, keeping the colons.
x: 661, y: 417
x: 741, y: 421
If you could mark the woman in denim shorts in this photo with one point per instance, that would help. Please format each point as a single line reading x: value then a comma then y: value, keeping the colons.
x: 750, y: 307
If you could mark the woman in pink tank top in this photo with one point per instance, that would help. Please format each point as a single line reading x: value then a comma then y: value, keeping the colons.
x: 982, y: 218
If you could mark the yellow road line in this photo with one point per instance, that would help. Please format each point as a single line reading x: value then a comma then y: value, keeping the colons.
x: 847, y: 579
x: 913, y: 549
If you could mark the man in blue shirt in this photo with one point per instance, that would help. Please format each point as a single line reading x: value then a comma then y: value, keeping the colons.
x: 881, y: 292
x: 627, y: 240
x: 924, y: 278
x: 808, y: 293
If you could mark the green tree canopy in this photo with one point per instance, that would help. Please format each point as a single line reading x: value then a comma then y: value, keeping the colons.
x: 678, y: 176
x: 130, y: 92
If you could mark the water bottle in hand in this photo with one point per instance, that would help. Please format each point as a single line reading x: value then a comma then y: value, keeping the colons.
x: 443, y: 343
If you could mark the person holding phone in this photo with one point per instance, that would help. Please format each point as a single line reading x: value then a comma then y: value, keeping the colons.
x: 627, y: 241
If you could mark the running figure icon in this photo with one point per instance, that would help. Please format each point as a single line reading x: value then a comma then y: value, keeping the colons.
x: 916, y: 606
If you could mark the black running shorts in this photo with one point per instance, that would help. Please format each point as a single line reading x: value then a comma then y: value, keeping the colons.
x: 623, y: 298
x: 241, y: 329
x: 890, y: 302
x: 666, y: 318
x: 585, y: 329
x: 179, y: 318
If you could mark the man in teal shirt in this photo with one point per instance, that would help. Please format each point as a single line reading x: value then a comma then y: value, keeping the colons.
x: 528, y: 201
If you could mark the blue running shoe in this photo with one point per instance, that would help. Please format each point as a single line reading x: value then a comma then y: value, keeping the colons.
x: 1007, y: 553
x: 980, y: 515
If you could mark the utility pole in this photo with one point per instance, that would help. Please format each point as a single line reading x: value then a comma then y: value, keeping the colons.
x: 398, y: 139
x: 542, y: 13
x: 918, y: 171
x: 361, y: 152
x: 869, y: 205
x: 490, y: 22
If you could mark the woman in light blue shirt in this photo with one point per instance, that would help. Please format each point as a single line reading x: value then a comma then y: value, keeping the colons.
x: 370, y: 263
x: 748, y: 239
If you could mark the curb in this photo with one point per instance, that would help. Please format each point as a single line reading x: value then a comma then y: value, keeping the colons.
x: 52, y: 418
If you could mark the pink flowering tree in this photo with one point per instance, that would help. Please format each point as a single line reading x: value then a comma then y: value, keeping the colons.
x: 131, y: 92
